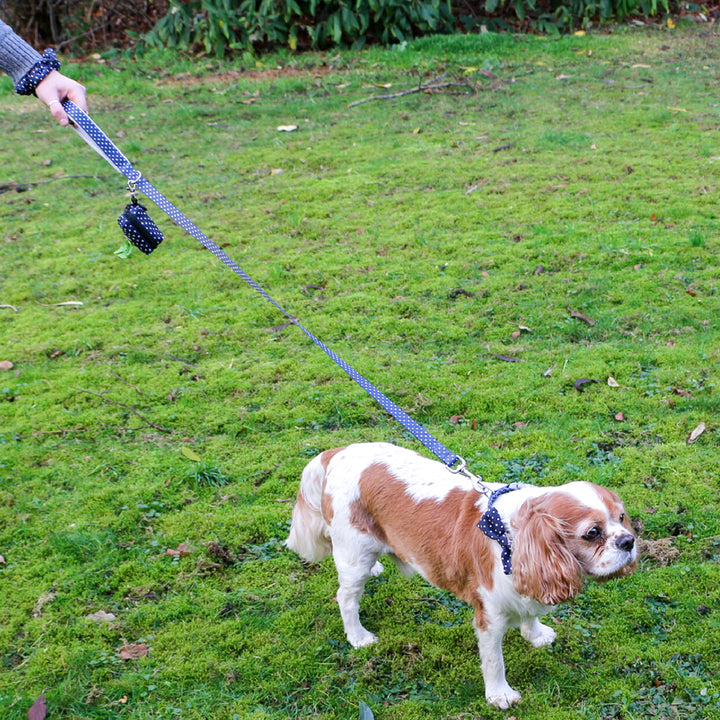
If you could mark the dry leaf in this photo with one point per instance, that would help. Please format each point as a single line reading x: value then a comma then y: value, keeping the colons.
x: 6, y: 365
x: 548, y: 372
x: 41, y: 601
x: 612, y: 382
x: 696, y: 433
x: 183, y: 550
x: 101, y: 617
x: 38, y: 711
x: 579, y: 316
x: 580, y: 384
x: 505, y: 358
x: 620, y: 417
x: 133, y: 652
x: 455, y: 419
x: 287, y: 128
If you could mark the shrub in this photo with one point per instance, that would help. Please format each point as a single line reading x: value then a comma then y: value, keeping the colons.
x: 219, y: 25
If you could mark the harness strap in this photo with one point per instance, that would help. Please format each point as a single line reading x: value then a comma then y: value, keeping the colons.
x: 99, y: 141
x: 492, y: 525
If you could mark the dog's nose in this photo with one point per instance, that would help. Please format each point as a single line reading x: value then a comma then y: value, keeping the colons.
x: 625, y: 543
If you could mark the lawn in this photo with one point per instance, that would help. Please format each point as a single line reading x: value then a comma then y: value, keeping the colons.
x: 525, y: 258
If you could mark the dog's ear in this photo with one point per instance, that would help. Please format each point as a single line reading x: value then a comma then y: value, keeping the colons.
x: 543, y: 566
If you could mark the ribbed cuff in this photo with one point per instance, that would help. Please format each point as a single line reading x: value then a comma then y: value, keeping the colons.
x: 16, y: 56
x: 38, y: 73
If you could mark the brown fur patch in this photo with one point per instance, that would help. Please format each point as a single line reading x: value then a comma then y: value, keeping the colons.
x: 327, y: 455
x: 544, y: 567
x: 326, y: 501
x: 440, y: 538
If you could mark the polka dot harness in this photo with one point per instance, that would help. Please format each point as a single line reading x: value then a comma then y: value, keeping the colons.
x: 492, y: 525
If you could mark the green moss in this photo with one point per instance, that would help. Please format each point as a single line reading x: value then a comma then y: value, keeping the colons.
x: 414, y: 236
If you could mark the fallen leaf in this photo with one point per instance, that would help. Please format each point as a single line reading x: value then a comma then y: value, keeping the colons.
x: 2, y: 560
x: 101, y: 617
x: 287, y: 128
x: 515, y: 335
x: 548, y: 372
x: 505, y: 358
x: 365, y: 712
x: 612, y: 382
x: 41, y: 602
x: 183, y: 550
x: 190, y: 454
x: 455, y: 419
x: 620, y: 417
x: 696, y: 433
x: 38, y: 711
x: 579, y: 316
x: 580, y: 384
x: 6, y: 365
x: 133, y: 652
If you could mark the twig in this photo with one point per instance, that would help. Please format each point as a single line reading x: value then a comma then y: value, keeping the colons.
x: 129, y: 384
x: 63, y: 433
x: 434, y: 84
x: 9, y: 307
x: 131, y: 408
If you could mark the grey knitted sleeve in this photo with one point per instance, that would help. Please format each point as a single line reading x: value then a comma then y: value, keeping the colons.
x: 16, y: 56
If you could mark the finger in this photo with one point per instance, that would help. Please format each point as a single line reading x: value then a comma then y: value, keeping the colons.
x: 78, y: 95
x: 57, y: 111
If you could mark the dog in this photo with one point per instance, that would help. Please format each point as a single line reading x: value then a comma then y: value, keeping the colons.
x: 536, y: 548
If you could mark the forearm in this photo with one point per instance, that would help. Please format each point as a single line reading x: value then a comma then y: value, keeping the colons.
x: 16, y: 56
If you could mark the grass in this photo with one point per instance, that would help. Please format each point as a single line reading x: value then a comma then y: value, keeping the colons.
x: 152, y: 438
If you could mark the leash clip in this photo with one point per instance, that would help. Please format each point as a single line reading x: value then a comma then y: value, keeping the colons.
x: 134, y: 181
x: 477, y: 482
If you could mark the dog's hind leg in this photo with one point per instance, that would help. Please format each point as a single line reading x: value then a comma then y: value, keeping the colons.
x: 354, y: 567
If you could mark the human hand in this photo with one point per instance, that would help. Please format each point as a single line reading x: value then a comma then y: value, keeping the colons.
x: 56, y: 88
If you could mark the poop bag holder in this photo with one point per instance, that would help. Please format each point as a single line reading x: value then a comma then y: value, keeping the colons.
x: 138, y: 228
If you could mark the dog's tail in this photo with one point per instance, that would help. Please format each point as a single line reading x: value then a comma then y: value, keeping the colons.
x: 309, y: 534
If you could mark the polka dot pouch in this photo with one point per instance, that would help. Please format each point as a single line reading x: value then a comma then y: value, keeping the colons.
x: 138, y: 228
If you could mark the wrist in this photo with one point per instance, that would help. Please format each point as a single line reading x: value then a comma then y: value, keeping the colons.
x: 37, y: 73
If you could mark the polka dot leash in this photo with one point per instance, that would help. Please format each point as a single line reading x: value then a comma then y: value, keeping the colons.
x: 99, y: 141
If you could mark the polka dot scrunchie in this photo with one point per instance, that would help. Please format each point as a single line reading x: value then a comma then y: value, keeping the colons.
x: 37, y: 73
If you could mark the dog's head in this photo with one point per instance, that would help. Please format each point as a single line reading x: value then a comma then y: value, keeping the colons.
x: 563, y: 537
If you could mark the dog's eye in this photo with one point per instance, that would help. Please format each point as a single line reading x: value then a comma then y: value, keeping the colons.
x: 622, y: 517
x: 592, y: 534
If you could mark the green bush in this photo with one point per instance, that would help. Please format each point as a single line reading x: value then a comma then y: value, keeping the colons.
x: 553, y: 16
x: 219, y: 25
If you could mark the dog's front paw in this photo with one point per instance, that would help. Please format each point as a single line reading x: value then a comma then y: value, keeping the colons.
x: 361, y: 639
x: 538, y: 635
x: 503, y: 698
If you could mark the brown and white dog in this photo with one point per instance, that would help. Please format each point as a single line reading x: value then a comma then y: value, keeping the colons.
x: 366, y: 500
